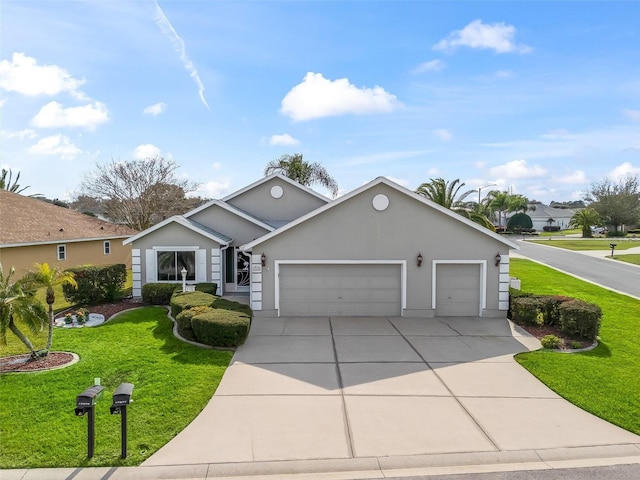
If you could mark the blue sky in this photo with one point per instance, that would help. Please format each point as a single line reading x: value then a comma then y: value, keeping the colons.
x: 541, y: 98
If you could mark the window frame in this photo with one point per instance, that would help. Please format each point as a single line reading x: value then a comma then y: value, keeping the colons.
x: 61, y: 252
x: 106, y: 247
x: 175, y: 251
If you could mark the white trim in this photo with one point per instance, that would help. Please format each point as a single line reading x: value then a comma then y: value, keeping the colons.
x: 180, y: 220
x: 384, y: 181
x: 105, y: 248
x: 230, y: 209
x: 483, y: 280
x: 281, y: 177
x: 64, y: 250
x: 54, y: 242
x: 401, y: 263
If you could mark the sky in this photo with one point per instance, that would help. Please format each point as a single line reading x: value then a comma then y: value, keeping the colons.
x: 536, y: 98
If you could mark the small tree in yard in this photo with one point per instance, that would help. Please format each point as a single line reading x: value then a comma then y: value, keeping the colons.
x: 584, y: 219
x: 616, y: 203
x: 48, y: 277
x: 18, y: 303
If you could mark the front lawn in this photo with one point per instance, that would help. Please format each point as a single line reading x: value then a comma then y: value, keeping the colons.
x: 173, y: 382
x: 590, y: 244
x: 603, y: 381
x: 629, y: 258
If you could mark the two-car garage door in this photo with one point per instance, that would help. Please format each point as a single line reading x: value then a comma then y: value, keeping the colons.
x: 340, y: 290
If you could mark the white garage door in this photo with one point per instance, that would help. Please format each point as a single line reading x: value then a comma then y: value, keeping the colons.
x: 340, y: 290
x: 457, y: 290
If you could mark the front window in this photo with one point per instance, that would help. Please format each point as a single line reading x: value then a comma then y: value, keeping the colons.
x: 62, y: 252
x: 170, y: 264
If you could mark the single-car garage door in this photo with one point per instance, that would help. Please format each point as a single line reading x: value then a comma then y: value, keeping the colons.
x: 457, y: 290
x: 340, y: 290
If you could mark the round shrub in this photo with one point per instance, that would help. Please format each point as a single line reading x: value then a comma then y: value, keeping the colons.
x: 158, y: 293
x: 579, y: 318
x: 520, y: 222
x: 525, y: 310
x: 183, y: 300
x: 550, y: 341
x: 183, y: 319
x: 221, y: 328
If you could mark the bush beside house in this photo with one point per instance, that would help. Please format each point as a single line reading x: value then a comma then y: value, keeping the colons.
x: 96, y: 284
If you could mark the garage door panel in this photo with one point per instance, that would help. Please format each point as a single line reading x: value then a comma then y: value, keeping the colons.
x: 353, y: 290
x: 458, y: 290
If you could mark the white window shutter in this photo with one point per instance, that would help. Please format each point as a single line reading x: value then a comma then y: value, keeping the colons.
x: 201, y: 265
x: 151, y: 274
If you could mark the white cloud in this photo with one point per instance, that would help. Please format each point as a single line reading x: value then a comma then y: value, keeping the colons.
x: 53, y: 115
x: 20, y: 134
x: 318, y: 97
x: 443, y: 134
x: 577, y: 177
x: 178, y: 45
x: 517, y: 169
x: 23, y: 75
x: 633, y: 115
x: 496, y: 36
x: 213, y: 189
x: 624, y: 170
x: 430, y: 66
x: 59, y: 145
x: 284, y: 140
x: 146, y: 150
x: 155, y: 109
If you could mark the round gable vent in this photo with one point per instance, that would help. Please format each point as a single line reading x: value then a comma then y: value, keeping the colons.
x: 380, y: 202
x: 276, y: 191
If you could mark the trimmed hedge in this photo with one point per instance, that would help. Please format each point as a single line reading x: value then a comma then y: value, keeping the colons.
x: 580, y: 318
x: 183, y: 319
x: 210, y: 288
x: 96, y: 284
x: 181, y: 301
x: 520, y: 222
x: 574, y: 317
x: 221, y: 328
x: 158, y: 293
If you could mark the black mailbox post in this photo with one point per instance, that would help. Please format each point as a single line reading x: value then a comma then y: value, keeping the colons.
x: 613, y: 247
x: 85, y: 403
x: 122, y: 398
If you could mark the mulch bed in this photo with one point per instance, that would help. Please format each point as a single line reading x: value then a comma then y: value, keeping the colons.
x: 565, y: 340
x: 24, y: 363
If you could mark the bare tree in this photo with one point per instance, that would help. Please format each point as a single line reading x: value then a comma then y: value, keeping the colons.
x: 138, y: 193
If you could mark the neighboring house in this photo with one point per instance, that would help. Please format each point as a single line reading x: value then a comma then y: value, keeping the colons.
x: 380, y: 250
x: 544, y: 216
x: 35, y: 231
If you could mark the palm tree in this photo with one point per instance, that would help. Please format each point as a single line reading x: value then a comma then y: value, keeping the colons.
x: 520, y: 203
x: 499, y: 202
x: 7, y: 184
x: 446, y: 194
x: 19, y: 303
x: 47, y: 277
x: 584, y: 219
x: 305, y: 173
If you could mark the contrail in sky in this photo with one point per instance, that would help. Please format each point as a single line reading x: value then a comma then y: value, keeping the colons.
x: 178, y: 44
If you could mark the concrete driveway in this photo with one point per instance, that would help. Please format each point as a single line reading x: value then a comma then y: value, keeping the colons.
x: 349, y: 389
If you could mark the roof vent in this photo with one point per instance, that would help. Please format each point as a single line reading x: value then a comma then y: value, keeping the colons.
x: 61, y: 230
x: 102, y: 227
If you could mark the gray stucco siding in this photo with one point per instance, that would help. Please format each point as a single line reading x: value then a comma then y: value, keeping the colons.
x: 354, y: 230
x: 239, y: 229
x: 171, y: 235
x: 293, y: 203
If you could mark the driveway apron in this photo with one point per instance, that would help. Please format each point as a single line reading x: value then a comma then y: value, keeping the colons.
x: 348, y: 388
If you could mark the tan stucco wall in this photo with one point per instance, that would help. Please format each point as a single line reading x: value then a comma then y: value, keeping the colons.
x: 78, y: 253
x: 354, y: 230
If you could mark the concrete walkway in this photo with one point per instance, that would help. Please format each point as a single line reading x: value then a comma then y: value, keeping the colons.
x: 365, y: 394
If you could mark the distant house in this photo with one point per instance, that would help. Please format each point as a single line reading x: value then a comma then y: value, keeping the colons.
x: 544, y: 215
x: 35, y: 231
x: 380, y: 250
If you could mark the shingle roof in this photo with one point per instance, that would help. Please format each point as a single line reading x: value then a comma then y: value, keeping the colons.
x: 25, y: 220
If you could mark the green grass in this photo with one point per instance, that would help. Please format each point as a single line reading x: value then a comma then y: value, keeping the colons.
x: 562, y: 232
x: 587, y: 244
x: 604, y: 381
x: 629, y: 258
x: 173, y: 382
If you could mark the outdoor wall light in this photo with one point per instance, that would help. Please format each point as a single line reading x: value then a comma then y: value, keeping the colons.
x: 498, y: 258
x: 263, y: 259
x: 419, y: 259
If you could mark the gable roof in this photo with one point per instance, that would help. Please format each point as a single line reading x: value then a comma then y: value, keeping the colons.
x: 281, y: 177
x: 399, y: 188
x: 28, y: 221
x: 187, y: 223
x: 230, y: 208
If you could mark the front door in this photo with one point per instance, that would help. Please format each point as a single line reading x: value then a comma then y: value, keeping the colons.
x: 237, y: 267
